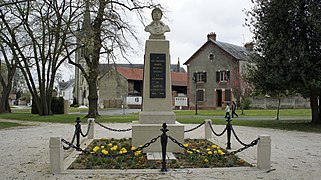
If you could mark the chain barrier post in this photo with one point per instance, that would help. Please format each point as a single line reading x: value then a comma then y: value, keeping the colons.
x: 56, y: 155
x: 164, y: 139
x: 91, y: 133
x: 229, y: 129
x: 264, y: 152
x: 207, y: 130
x: 78, y: 129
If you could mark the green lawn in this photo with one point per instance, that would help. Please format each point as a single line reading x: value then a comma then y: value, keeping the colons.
x: 302, y: 125
x: 265, y: 113
x: 4, y: 125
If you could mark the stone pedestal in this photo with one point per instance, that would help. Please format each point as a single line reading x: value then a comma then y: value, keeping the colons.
x: 56, y: 155
x: 157, y: 97
x: 264, y: 152
x: 143, y: 133
x: 66, y: 106
x: 157, y: 88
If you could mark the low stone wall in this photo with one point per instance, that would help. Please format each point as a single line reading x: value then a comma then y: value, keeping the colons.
x: 113, y: 103
x: 289, y: 102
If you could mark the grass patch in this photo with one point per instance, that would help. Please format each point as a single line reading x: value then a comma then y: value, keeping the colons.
x: 303, y: 125
x: 4, y: 125
x: 252, y: 112
x: 67, y: 118
x: 118, y: 154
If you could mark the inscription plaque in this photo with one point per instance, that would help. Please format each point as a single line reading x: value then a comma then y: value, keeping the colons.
x: 157, y: 76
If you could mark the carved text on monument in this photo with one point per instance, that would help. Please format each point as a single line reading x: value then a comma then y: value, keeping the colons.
x: 157, y: 75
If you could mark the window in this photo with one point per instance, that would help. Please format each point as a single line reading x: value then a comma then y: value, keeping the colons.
x: 222, y: 75
x: 199, y: 77
x: 200, y: 95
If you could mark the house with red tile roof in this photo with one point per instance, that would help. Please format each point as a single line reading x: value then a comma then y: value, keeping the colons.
x: 118, y: 83
x: 214, y: 72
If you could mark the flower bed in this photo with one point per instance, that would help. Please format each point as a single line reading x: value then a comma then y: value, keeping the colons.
x: 119, y: 154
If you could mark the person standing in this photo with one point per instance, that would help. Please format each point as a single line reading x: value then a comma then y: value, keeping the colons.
x: 234, y: 109
x: 227, y: 110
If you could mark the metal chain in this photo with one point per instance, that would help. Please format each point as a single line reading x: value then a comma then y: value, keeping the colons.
x: 238, y: 139
x: 215, y: 132
x: 109, y: 155
x: 71, y: 145
x: 111, y: 129
x: 192, y: 150
x: 194, y: 127
x: 72, y: 141
x: 147, y: 144
x: 88, y: 128
x: 253, y: 143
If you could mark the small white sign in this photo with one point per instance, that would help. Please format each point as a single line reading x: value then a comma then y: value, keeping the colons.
x: 134, y: 100
x: 180, y: 101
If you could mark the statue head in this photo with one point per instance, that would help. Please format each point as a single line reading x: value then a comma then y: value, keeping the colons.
x: 157, y: 14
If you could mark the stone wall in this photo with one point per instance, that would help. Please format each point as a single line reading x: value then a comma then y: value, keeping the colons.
x: 288, y: 102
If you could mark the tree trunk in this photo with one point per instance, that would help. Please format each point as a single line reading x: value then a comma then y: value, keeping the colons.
x: 319, y: 104
x: 92, y: 98
x: 314, y: 107
x: 42, y: 104
x: 4, y: 100
x: 278, y: 108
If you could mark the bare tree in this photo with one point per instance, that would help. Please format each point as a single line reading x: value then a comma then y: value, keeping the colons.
x: 8, y: 68
x: 108, y: 32
x: 37, y: 32
x: 240, y: 86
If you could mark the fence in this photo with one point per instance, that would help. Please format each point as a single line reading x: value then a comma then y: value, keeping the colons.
x: 289, y: 102
x: 57, y: 147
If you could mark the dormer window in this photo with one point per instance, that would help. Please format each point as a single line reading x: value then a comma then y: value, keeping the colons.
x: 222, y: 75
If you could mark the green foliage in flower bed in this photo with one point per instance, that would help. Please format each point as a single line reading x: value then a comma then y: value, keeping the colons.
x: 124, y: 156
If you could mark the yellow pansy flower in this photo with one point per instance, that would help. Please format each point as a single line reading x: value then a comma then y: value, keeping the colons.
x: 186, y: 145
x: 96, y: 148
x: 213, y: 146
x: 104, y: 151
x: 110, y: 144
x: 189, y: 152
x: 123, y: 150
x: 114, y: 148
x: 209, y: 152
x: 205, y: 160
x: 215, y: 152
x: 102, y: 147
x: 133, y: 148
x: 137, y: 153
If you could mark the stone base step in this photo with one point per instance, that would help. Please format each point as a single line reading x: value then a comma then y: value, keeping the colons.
x: 158, y: 156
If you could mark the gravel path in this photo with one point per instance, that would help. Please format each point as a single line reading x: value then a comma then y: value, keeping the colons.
x: 295, y: 155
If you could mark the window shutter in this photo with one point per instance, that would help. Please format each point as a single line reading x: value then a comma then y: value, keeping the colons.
x: 205, y: 76
x: 217, y: 76
x: 194, y: 77
x: 228, y: 75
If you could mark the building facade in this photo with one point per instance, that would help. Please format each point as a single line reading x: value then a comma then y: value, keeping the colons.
x: 214, y: 71
x: 118, y: 82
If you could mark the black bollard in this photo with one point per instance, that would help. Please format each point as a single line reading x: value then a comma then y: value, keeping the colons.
x: 164, y: 139
x: 77, y: 127
x: 229, y: 129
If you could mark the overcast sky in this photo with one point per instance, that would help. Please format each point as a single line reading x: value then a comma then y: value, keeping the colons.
x: 191, y: 20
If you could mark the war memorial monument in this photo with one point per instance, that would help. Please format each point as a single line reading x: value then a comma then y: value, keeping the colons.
x: 157, y: 92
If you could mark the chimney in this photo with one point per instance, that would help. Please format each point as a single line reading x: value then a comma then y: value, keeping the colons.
x: 178, y: 66
x: 211, y: 36
x: 249, y: 46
